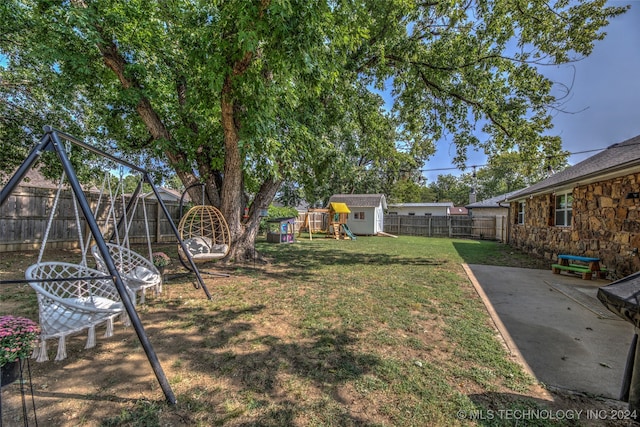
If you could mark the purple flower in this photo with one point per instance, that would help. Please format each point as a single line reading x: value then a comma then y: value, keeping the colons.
x: 18, y: 335
x: 160, y: 259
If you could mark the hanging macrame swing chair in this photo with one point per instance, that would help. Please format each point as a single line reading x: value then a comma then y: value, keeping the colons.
x: 138, y: 272
x: 71, y: 297
x: 205, y: 234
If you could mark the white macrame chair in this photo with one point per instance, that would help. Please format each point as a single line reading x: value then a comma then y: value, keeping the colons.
x: 137, y: 272
x: 71, y: 297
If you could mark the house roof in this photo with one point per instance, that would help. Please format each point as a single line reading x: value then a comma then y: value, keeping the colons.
x: 422, y: 205
x: 615, y: 159
x: 458, y: 210
x: 34, y: 178
x: 360, y: 200
x: 173, y: 194
x: 493, y: 202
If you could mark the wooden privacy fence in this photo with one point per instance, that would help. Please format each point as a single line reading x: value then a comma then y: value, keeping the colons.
x: 25, y: 214
x: 489, y: 227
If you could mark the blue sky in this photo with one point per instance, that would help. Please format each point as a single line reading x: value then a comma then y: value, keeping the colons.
x: 603, y: 107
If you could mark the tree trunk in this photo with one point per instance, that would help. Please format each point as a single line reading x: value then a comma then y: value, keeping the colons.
x: 243, y: 248
x: 231, y: 194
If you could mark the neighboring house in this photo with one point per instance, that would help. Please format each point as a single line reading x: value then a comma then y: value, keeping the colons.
x: 491, y: 217
x: 33, y: 178
x: 167, y: 195
x: 367, y: 212
x: 458, y: 210
x: 494, y: 206
x: 420, y: 209
x: 589, y: 209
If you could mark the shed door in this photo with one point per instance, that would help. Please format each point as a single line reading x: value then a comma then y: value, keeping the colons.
x: 379, y: 221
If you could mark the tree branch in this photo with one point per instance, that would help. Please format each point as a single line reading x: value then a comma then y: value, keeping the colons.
x: 464, y: 99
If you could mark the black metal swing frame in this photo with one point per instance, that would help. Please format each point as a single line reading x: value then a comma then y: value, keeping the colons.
x: 52, y: 140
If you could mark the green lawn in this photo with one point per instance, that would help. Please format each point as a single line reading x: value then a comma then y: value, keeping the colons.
x: 377, y: 332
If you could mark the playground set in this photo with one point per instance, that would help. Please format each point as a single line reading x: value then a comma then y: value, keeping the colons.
x: 332, y: 222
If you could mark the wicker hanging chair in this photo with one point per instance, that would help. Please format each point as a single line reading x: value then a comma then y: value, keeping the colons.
x: 205, y: 233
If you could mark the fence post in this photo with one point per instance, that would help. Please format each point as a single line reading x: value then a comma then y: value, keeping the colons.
x: 158, y: 219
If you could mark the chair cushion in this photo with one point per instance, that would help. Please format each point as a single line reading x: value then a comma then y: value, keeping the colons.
x: 142, y: 274
x: 198, y: 245
x: 219, y: 249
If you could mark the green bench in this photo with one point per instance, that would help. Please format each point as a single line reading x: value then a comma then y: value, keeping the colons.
x: 587, y: 272
x: 574, y: 268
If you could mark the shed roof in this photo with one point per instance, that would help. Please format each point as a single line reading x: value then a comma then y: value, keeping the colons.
x: 615, y: 158
x: 361, y: 200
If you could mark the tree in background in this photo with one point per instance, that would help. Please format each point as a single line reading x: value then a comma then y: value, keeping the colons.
x: 245, y: 95
x: 511, y: 171
x: 174, y: 183
x: 503, y: 174
x: 409, y: 191
x: 449, y: 188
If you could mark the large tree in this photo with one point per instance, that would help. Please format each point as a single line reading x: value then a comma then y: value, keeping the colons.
x: 243, y: 95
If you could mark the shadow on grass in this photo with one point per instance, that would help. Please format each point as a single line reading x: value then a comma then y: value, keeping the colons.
x: 487, y: 252
x: 266, y: 369
x: 509, y: 409
x: 230, y: 347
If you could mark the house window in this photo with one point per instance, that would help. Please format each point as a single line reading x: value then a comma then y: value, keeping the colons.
x: 564, y: 211
x: 521, y: 206
x: 358, y: 215
x: 412, y: 213
x: 427, y: 214
x: 393, y: 213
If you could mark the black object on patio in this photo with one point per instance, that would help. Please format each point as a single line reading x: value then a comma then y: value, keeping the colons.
x: 622, y: 297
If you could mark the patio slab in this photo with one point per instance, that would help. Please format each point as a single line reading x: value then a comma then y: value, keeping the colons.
x: 557, y: 327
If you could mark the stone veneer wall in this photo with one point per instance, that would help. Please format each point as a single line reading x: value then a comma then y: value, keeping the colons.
x: 605, y: 225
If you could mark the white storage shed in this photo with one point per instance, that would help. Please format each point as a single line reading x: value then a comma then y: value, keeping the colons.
x: 367, y: 212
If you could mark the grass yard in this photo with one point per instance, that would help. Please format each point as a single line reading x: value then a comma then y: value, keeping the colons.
x: 372, y: 332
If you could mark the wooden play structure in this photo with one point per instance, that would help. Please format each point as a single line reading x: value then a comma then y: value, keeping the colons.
x: 338, y: 229
x: 314, y: 221
x: 332, y: 222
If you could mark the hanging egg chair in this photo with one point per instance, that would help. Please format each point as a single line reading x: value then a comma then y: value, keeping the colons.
x: 205, y: 234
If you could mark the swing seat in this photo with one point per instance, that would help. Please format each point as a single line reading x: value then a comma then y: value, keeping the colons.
x: 137, y: 272
x: 205, y: 234
x: 202, y: 249
x: 72, y: 298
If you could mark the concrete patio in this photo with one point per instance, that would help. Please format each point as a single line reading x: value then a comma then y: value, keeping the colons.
x: 556, y: 327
